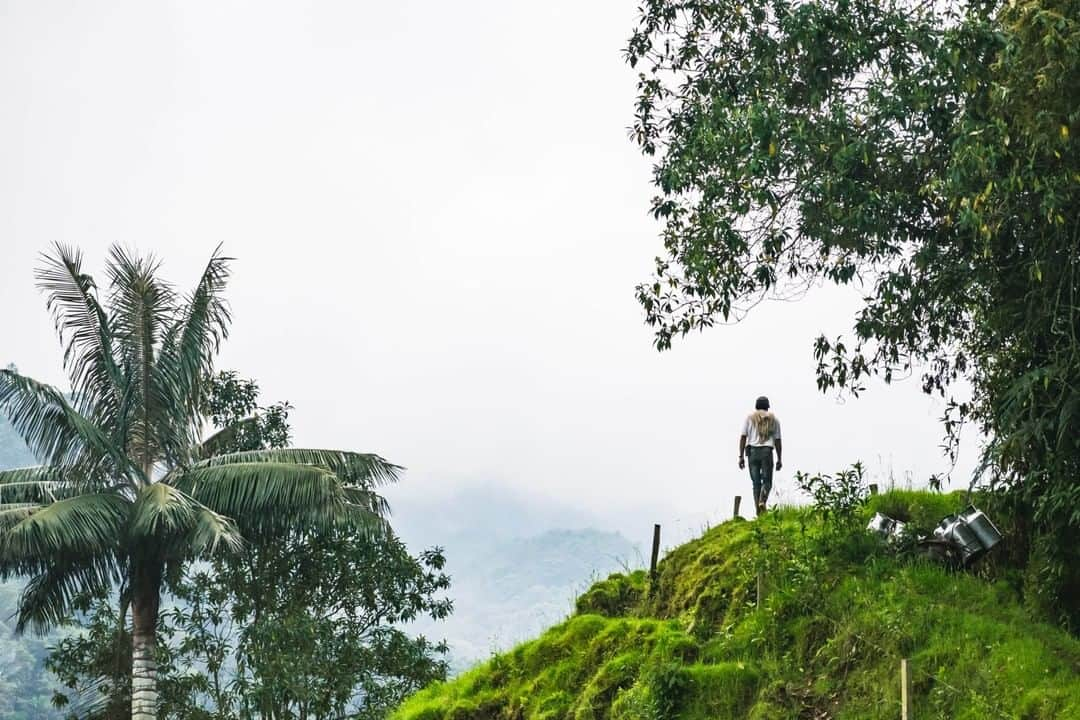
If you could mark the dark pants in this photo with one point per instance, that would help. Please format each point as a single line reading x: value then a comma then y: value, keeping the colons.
x: 760, y: 460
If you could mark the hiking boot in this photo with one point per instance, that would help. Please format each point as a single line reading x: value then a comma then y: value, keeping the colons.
x: 761, y: 508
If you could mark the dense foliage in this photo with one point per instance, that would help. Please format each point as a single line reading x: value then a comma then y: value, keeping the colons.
x: 300, y: 625
x: 317, y: 638
x: 128, y: 492
x: 839, y: 612
x: 319, y: 641
x: 923, y: 151
x: 838, y: 497
x: 25, y: 691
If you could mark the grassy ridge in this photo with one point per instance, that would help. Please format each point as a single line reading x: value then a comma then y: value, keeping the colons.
x: 839, y: 612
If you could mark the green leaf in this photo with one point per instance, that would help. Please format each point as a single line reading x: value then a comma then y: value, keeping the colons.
x: 54, y: 431
x: 269, y: 495
x: 51, y: 594
x: 165, y: 519
x: 364, y: 469
x: 84, y: 329
x: 86, y: 526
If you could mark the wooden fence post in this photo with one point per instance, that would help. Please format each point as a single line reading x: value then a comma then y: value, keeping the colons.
x: 655, y: 555
x: 905, y: 691
x: 738, y: 501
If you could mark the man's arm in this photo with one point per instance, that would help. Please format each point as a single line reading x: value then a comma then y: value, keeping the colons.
x: 742, y: 451
x: 779, y: 453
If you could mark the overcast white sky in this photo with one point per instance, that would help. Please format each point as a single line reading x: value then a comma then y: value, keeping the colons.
x: 438, y: 222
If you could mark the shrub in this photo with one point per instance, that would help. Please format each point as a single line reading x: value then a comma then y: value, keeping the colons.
x: 613, y: 597
x: 669, y: 685
x: 837, y: 498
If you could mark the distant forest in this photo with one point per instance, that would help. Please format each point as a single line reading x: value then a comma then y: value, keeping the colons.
x: 25, y: 689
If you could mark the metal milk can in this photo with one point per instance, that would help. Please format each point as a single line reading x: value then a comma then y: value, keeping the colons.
x: 953, y: 529
x: 886, y: 527
x: 980, y: 525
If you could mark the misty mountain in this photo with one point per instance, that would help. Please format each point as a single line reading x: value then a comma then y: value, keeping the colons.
x: 509, y: 592
x: 25, y: 688
x: 516, y: 563
x: 13, y: 453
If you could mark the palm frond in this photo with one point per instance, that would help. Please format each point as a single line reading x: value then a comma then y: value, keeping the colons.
x: 368, y: 511
x: 268, y: 495
x: 361, y: 469
x: 217, y: 442
x: 54, y: 431
x: 201, y: 324
x: 159, y: 510
x: 82, y: 527
x: 11, y: 514
x: 188, y: 348
x: 163, y: 517
x: 141, y: 303
x: 34, y: 473
x: 368, y: 501
x: 96, y: 380
x: 31, y: 485
x: 36, y: 492
x: 142, y: 307
x: 40, y: 485
x: 212, y: 531
x: 49, y: 596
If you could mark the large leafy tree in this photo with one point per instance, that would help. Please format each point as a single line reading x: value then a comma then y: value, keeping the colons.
x: 800, y: 142
x: 305, y: 625
x: 318, y: 638
x: 1014, y: 188
x: 128, y: 491
x: 922, y: 151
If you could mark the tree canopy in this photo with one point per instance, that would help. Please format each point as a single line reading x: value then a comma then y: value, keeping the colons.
x: 303, y: 624
x: 921, y: 151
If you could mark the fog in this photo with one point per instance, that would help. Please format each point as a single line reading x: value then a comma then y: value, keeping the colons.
x: 438, y: 222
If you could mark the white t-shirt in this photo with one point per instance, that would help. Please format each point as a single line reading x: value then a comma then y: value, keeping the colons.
x: 752, y: 438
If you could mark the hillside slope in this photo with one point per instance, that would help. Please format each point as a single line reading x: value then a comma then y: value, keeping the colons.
x: 839, y: 612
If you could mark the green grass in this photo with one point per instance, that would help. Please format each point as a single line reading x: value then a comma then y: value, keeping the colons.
x: 839, y: 613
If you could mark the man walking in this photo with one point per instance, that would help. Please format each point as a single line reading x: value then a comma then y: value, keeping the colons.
x: 760, y: 436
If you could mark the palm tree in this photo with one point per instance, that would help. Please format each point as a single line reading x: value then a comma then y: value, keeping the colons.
x: 128, y: 491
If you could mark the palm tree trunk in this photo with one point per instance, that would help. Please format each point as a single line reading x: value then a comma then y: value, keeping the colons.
x: 144, y: 616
